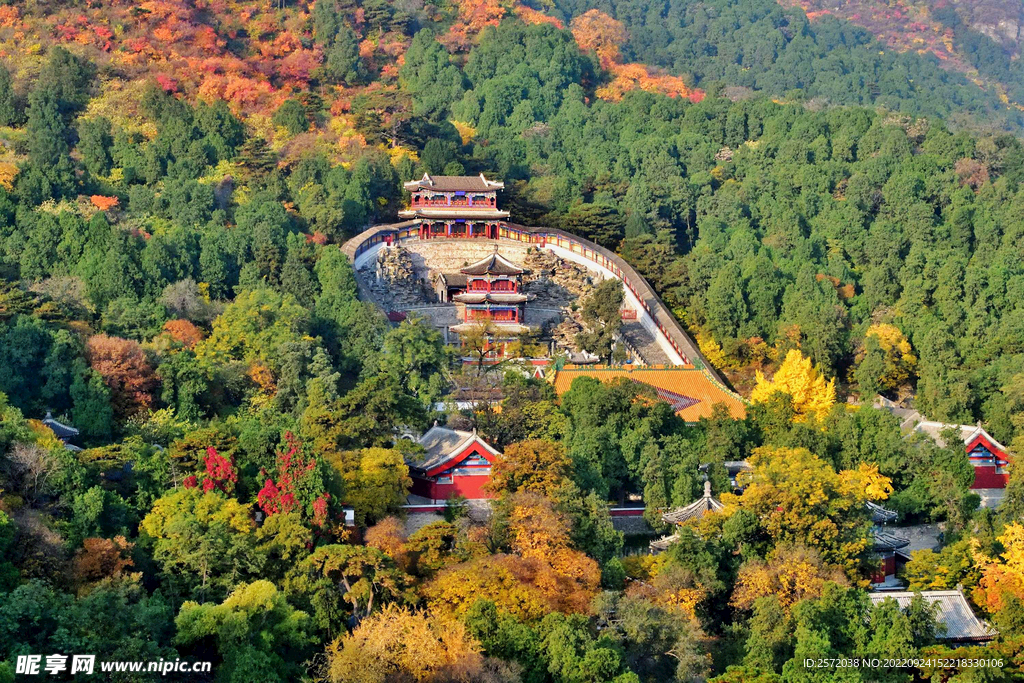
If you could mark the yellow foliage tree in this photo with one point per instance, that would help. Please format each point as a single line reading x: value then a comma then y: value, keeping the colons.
x: 1002, y: 577
x: 536, y: 528
x: 798, y: 499
x: 400, y: 644
x: 466, y: 131
x: 502, y: 579
x: 546, y: 574
x: 798, y: 378
x: 792, y: 573
x: 900, y: 361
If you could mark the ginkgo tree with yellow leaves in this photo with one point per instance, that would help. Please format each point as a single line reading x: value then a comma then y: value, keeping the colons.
x: 799, y: 499
x: 1002, y: 578
x: 802, y: 382
x: 886, y: 362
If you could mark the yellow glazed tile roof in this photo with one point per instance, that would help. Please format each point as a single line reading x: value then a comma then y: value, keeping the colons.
x: 684, y: 382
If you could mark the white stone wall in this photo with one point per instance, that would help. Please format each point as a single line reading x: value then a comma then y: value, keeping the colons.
x: 451, y: 255
x: 643, y: 316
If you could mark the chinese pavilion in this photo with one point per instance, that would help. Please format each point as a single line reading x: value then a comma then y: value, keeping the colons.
x: 455, y: 206
x: 696, y: 510
x: 493, y: 294
x: 456, y: 463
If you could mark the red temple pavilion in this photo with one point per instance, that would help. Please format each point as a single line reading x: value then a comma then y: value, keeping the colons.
x: 455, y: 206
x: 493, y: 293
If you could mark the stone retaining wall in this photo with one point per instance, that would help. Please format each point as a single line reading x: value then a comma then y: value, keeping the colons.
x: 652, y: 312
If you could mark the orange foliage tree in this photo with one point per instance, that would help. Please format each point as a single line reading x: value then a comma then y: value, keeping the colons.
x: 597, y: 32
x: 184, y: 332
x: 388, y: 536
x: 1002, y: 578
x: 103, y: 203
x: 102, y: 558
x: 124, y: 368
x: 534, y: 465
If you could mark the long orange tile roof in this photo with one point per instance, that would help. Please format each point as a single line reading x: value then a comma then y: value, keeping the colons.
x: 680, y: 383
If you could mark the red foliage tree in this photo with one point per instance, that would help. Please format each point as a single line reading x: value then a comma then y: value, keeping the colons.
x: 298, y: 486
x: 220, y: 472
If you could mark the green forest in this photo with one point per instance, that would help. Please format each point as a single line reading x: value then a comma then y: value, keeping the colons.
x: 173, y: 285
x: 759, y: 45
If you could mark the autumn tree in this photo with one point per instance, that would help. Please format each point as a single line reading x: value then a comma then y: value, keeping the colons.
x: 400, y: 643
x: 102, y: 558
x: 219, y: 475
x: 184, y: 332
x: 594, y: 30
x: 297, y: 486
x: 797, y: 498
x: 534, y: 465
x: 799, y: 379
x: 126, y: 371
x: 388, y: 536
x: 791, y: 574
x: 1002, y: 579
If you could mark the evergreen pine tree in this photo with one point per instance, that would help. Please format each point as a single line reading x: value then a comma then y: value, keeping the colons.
x: 9, y: 113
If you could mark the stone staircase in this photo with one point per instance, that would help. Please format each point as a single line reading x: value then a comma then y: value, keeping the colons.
x: 641, y: 339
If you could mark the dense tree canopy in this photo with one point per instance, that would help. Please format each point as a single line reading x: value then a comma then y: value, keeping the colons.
x: 173, y: 283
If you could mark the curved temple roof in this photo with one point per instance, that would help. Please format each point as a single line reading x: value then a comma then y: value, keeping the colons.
x: 455, y: 183
x: 490, y: 297
x: 705, y: 505
x: 954, y: 613
x: 879, y: 514
x: 883, y: 540
x: 495, y: 264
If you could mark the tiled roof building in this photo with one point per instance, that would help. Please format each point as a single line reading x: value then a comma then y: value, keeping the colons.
x: 455, y: 463
x: 954, y: 613
x: 691, y: 392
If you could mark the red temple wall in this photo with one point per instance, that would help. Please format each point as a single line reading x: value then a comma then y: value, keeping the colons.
x: 887, y: 568
x: 986, y: 477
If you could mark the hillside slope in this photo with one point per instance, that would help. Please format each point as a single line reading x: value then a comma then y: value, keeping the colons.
x: 979, y: 38
x: 819, y: 55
